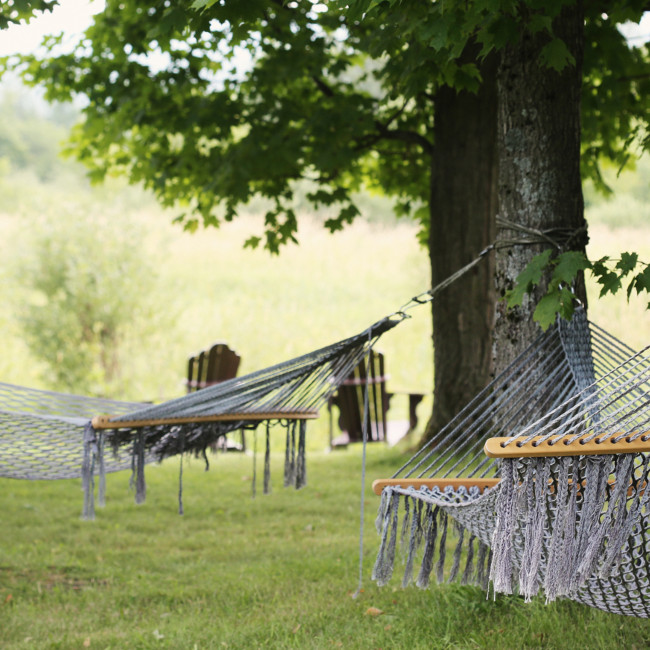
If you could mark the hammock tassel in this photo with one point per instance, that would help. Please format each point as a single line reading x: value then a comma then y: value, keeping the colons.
x: 405, y: 524
x: 558, y: 573
x: 483, y: 561
x: 414, y: 540
x: 101, y: 466
x: 290, y: 455
x: 137, y: 467
x: 425, y: 524
x: 180, y: 474
x: 615, y: 525
x: 430, y: 534
x: 383, y: 569
x: 267, y: 461
x: 87, y: 478
x: 592, y: 532
x: 468, y: 573
x: 392, y: 540
x: 502, y: 565
x: 455, y: 566
x: 621, y: 532
x: 301, y: 467
x: 442, y: 549
x: 254, y: 484
x: 381, y: 511
x: 536, y: 492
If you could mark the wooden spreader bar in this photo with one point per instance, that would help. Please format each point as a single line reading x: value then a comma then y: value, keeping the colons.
x: 482, y: 484
x: 441, y: 483
x: 496, y: 447
x: 106, y: 421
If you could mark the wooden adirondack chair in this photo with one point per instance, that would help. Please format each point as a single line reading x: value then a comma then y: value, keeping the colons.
x: 349, y: 399
x: 212, y: 366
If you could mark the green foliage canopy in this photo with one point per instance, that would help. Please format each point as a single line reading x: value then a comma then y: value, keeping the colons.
x: 171, y: 106
x: 616, y: 73
x: 611, y: 274
x: 16, y: 11
x: 212, y: 103
x: 615, y: 108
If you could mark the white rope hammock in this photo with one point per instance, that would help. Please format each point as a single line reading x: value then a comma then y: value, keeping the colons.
x: 48, y: 435
x: 560, y: 504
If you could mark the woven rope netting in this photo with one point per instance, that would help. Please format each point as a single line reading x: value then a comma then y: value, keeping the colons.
x: 48, y: 435
x: 41, y: 432
x: 572, y: 526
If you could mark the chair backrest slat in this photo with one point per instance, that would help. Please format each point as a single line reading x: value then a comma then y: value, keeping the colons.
x: 349, y: 399
x: 211, y: 366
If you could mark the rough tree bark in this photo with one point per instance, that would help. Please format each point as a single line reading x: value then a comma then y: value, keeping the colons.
x: 539, y: 166
x: 462, y: 207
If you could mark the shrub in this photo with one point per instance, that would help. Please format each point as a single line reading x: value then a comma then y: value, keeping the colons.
x: 90, y: 284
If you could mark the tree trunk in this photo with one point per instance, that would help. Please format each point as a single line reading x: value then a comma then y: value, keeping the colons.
x: 462, y: 209
x: 539, y: 167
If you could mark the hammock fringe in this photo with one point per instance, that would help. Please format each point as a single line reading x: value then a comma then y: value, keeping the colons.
x: 574, y: 525
x: 423, y: 540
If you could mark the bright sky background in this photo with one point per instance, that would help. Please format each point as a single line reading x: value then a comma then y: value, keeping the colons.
x: 637, y: 34
x: 70, y: 16
x: 74, y: 16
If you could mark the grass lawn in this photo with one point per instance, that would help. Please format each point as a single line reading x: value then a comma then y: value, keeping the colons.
x: 277, y: 571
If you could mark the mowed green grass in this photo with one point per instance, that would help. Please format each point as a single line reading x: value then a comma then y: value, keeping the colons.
x: 277, y: 571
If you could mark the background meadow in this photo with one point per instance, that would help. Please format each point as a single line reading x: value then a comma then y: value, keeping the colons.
x: 275, y: 571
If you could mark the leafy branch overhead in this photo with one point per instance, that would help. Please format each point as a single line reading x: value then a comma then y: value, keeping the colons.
x: 612, y: 274
x: 212, y: 105
x: 16, y: 11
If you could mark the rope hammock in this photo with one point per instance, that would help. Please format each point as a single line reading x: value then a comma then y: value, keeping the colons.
x: 48, y: 435
x: 544, y: 475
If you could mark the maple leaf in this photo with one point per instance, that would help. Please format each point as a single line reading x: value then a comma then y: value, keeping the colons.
x: 528, y: 278
x: 374, y: 611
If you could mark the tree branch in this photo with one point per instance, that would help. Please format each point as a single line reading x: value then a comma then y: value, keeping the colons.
x: 410, y: 137
x: 322, y: 86
x: 395, y: 115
